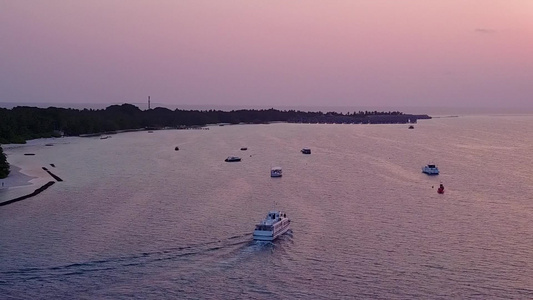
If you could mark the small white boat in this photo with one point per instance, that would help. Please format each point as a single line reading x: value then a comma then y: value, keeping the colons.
x: 430, y: 170
x: 275, y: 224
x: 306, y: 151
x: 276, y: 172
x: 232, y: 158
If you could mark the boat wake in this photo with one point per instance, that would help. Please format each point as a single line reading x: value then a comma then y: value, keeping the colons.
x: 195, y: 260
x: 139, y: 259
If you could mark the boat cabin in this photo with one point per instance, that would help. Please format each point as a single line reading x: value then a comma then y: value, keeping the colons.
x: 263, y: 227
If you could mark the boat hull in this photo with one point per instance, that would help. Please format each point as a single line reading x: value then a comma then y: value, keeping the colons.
x: 431, y: 173
x: 268, y: 235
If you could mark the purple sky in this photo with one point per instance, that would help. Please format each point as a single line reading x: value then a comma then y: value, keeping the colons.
x: 381, y: 53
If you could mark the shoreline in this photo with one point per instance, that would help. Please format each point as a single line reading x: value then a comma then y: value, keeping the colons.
x: 36, y: 192
x: 28, y: 174
x: 16, y: 178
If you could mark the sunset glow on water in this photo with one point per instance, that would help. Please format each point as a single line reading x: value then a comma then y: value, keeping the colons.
x: 135, y: 218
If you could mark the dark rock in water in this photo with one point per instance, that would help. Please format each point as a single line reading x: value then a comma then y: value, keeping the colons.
x: 52, y: 174
x: 37, y: 191
x: 176, y: 149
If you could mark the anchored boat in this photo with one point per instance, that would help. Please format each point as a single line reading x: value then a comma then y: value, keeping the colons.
x: 276, y: 172
x: 430, y: 170
x: 306, y: 151
x: 232, y: 158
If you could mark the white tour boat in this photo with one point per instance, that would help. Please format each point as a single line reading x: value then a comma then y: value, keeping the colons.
x: 430, y: 170
x: 275, y: 224
x: 276, y: 172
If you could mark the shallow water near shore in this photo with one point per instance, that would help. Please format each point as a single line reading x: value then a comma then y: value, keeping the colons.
x: 136, y: 219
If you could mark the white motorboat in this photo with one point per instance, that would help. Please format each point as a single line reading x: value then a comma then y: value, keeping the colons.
x: 430, y: 170
x: 275, y: 224
x: 276, y: 172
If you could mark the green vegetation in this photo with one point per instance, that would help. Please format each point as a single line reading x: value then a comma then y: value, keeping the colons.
x: 4, y: 165
x: 23, y: 123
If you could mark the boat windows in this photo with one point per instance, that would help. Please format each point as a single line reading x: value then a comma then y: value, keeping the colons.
x: 263, y: 227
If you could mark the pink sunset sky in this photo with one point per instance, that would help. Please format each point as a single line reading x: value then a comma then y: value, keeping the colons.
x: 381, y: 53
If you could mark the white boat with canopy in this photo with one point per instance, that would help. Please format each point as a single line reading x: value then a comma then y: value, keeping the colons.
x: 275, y: 224
x: 430, y: 169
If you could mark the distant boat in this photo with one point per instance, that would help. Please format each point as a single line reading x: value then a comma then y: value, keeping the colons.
x: 276, y: 172
x: 306, y: 151
x: 244, y: 149
x: 176, y: 148
x: 411, y: 127
x: 275, y: 224
x: 49, y: 145
x: 430, y: 170
x: 232, y: 159
x: 104, y: 137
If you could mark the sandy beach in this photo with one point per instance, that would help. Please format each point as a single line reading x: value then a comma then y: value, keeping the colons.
x: 27, y: 172
x: 16, y: 179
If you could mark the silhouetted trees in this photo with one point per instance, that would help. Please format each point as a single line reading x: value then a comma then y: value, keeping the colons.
x: 23, y: 123
x: 4, y: 165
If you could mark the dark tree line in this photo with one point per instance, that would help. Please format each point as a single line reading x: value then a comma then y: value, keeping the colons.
x: 23, y: 123
x: 4, y: 166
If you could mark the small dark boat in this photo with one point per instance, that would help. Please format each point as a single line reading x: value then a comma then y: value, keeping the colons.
x: 49, y: 145
x: 411, y: 127
x: 232, y: 159
x: 306, y: 151
x: 29, y: 154
x: 244, y: 149
x: 177, y: 148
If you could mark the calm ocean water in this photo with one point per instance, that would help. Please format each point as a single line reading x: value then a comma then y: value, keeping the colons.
x: 136, y: 219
